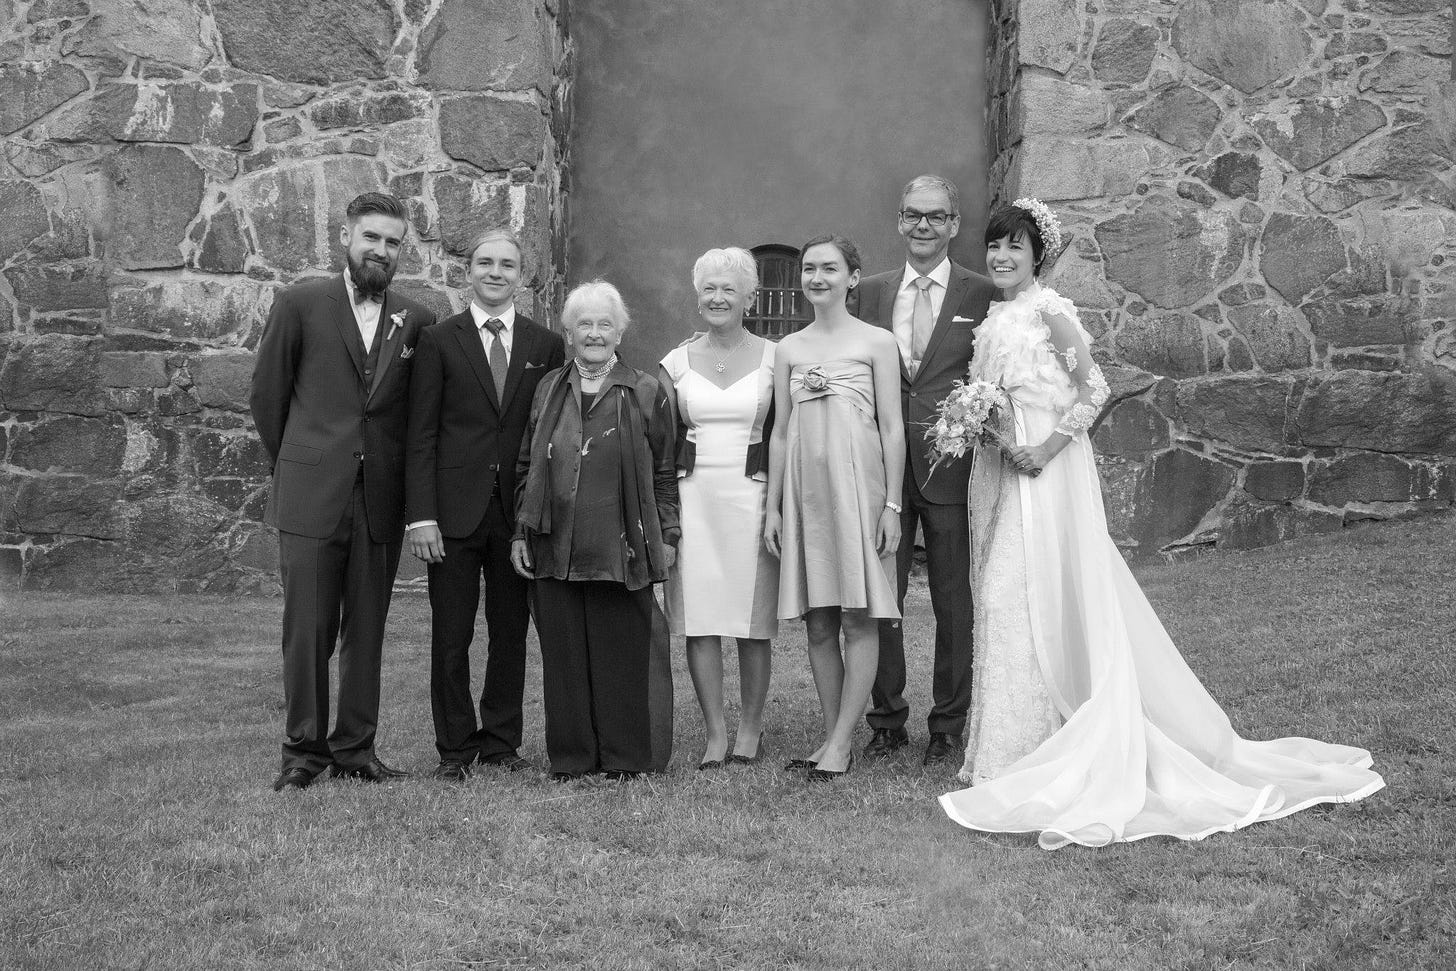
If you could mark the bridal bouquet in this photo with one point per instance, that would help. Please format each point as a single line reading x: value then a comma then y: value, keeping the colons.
x: 963, y: 418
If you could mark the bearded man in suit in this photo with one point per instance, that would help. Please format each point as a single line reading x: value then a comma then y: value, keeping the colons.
x: 329, y: 395
x: 932, y: 305
x: 470, y: 396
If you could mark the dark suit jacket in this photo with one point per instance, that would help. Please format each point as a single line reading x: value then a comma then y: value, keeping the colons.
x: 946, y: 356
x: 462, y: 435
x: 317, y: 412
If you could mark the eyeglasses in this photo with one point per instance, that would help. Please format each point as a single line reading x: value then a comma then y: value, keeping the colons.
x: 937, y: 219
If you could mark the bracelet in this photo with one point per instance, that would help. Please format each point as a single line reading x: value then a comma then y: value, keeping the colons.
x: 893, y: 506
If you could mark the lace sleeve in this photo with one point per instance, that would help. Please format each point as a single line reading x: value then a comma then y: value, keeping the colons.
x: 1069, y: 342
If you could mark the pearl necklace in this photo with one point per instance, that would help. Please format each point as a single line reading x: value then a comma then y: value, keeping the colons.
x: 591, y: 374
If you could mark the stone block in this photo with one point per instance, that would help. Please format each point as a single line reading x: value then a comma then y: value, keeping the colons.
x: 357, y: 109
x: 256, y: 547
x: 466, y: 206
x: 1405, y: 72
x: 320, y: 42
x: 1181, y: 116
x: 1080, y: 280
x: 1298, y: 253
x: 1178, y: 489
x: 182, y: 113
x: 296, y: 208
x: 84, y: 564
x: 75, y: 505
x: 1243, y: 411
x: 1124, y: 51
x: 1373, y: 477
x: 237, y: 454
x: 71, y: 443
x: 1241, y: 293
x: 451, y: 45
x: 191, y: 308
x: 1234, y: 174
x: 1247, y: 525
x: 491, y: 133
x: 1051, y: 106
x: 222, y: 379
x: 224, y: 248
x: 29, y: 91
x: 1132, y: 428
x: 134, y: 369
x: 174, y: 524
x: 1049, y: 34
x: 164, y: 31
x: 52, y: 372
x: 1169, y: 252
x: 59, y: 286
x: 1386, y: 411
x: 1274, y: 481
x: 1308, y: 132
x: 1245, y: 43
x: 155, y: 193
x: 1171, y: 345
x: 1362, y: 320
x: 432, y: 297
x: 1273, y: 336
x: 1059, y: 169
x: 25, y: 217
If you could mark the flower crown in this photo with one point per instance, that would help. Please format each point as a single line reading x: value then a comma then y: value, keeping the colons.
x: 1047, y: 222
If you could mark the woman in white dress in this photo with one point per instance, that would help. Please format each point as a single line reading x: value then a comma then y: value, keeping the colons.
x: 724, y: 583
x: 1087, y: 726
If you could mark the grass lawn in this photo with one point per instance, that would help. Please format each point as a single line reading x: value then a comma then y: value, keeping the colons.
x: 139, y: 735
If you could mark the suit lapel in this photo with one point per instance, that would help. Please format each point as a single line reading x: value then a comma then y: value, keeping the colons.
x: 388, y: 337
x: 521, y: 349
x: 469, y: 338
x: 347, y: 326
x: 955, y: 292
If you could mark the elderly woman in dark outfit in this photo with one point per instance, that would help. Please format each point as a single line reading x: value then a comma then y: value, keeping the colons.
x: 596, y: 526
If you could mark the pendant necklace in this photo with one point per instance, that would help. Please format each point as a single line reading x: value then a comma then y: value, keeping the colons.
x: 722, y: 365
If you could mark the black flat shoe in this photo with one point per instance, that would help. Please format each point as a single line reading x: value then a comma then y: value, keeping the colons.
x: 711, y: 764
x: 817, y: 774
x: 748, y: 759
x: 798, y: 765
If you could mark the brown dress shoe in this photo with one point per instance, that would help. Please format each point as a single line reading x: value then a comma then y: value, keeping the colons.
x: 944, y: 748
x: 886, y: 741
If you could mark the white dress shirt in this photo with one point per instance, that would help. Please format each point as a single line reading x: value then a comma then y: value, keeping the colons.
x: 366, y: 312
x: 904, y: 310
x: 507, y: 318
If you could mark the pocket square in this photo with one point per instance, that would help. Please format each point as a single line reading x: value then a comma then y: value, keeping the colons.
x: 532, y: 364
x: 407, y: 353
x: 963, y: 320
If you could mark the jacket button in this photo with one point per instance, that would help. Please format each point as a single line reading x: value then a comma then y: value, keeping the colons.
x: 358, y: 455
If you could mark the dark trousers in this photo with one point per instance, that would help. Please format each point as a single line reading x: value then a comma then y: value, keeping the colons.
x: 336, y: 590
x: 595, y: 646
x: 948, y: 561
x: 454, y: 600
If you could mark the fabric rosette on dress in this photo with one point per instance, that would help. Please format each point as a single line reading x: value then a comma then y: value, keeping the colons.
x: 1143, y: 749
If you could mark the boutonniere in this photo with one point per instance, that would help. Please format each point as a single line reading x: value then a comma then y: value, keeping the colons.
x: 396, y: 321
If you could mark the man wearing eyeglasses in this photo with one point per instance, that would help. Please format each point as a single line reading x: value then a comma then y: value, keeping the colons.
x: 932, y: 305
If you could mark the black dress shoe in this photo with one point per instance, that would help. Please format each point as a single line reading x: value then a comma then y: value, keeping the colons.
x: 293, y: 779
x: 885, y: 741
x: 451, y: 770
x: 799, y: 765
x: 943, y: 748
x: 507, y: 760
x: 817, y: 774
x: 371, y: 771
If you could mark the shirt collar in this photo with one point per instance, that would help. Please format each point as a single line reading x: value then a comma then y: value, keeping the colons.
x: 349, y: 286
x: 941, y: 274
x: 507, y: 318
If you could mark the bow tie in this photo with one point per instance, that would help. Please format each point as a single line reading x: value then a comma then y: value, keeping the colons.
x: 361, y: 297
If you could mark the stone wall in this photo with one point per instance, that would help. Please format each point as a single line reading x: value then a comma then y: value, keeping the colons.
x: 168, y: 165
x: 1260, y: 196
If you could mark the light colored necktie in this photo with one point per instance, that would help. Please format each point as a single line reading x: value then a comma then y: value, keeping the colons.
x: 921, y: 323
x: 498, y: 361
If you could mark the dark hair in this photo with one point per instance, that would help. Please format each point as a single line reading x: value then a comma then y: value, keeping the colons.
x: 842, y: 243
x: 1010, y: 220
x: 370, y: 203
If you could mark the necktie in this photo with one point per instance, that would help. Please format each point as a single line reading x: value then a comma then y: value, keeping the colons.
x: 497, y: 354
x: 920, y: 322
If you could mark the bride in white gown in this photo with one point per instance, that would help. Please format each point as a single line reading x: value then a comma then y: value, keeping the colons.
x: 1086, y: 725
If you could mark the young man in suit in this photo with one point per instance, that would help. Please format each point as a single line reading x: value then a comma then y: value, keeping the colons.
x: 932, y: 305
x: 474, y: 376
x: 330, y: 388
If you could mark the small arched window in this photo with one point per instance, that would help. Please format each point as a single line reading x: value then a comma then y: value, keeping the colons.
x: 780, y: 307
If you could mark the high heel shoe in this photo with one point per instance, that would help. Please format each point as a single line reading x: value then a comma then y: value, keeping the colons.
x: 748, y: 759
x: 817, y: 774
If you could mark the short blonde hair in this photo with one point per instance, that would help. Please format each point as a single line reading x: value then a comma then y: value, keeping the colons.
x: 732, y: 259
x: 499, y: 234
x: 597, y: 289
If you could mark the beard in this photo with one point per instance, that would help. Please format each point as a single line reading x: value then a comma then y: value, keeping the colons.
x: 371, y: 277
